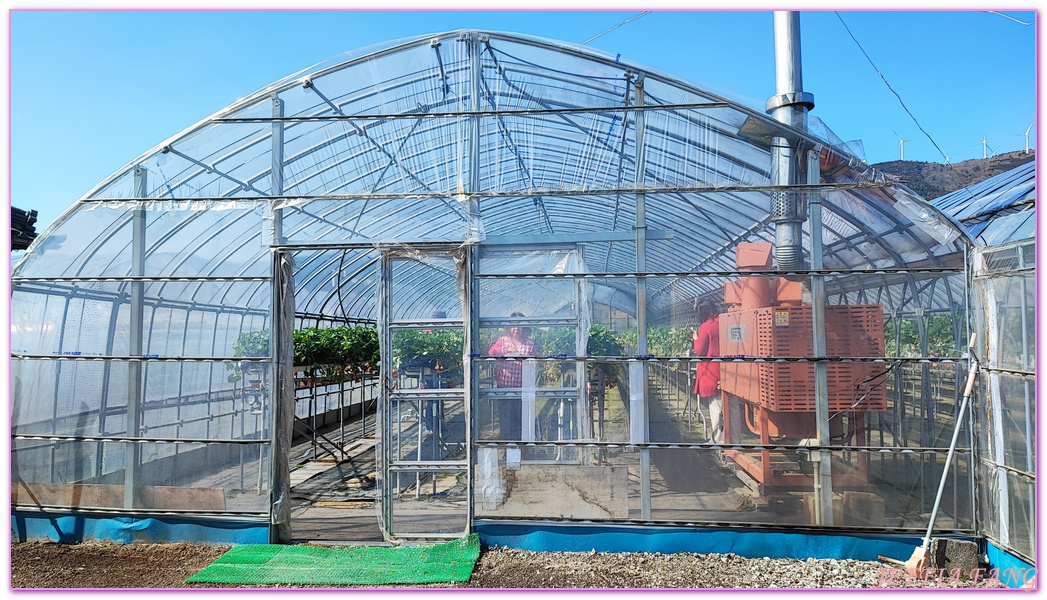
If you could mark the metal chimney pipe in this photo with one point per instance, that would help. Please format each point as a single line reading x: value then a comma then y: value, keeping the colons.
x: 788, y: 106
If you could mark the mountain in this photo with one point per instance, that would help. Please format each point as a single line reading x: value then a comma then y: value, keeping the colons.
x: 931, y: 180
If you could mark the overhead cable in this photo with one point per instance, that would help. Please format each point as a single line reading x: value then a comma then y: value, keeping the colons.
x: 632, y: 18
x: 994, y: 12
x: 896, y: 95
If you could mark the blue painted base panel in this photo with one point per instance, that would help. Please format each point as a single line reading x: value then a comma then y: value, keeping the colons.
x: 1013, y: 571
x: 73, y: 529
x: 747, y: 543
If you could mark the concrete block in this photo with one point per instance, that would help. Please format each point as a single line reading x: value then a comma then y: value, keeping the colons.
x: 953, y: 554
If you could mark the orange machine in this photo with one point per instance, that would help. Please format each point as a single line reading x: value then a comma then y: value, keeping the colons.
x: 767, y: 318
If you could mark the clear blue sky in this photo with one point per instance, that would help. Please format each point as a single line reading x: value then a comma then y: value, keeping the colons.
x: 91, y: 90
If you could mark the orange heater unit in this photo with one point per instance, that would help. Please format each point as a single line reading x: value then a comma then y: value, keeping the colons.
x: 768, y: 319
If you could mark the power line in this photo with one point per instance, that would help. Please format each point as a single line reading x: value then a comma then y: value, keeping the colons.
x: 993, y: 12
x: 896, y: 95
x: 632, y: 18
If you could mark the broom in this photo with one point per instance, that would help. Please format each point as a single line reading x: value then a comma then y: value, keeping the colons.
x: 919, y: 559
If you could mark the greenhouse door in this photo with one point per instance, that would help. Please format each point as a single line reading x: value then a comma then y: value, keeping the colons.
x: 424, y: 412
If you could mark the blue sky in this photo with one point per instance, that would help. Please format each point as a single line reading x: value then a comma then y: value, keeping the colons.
x: 91, y: 90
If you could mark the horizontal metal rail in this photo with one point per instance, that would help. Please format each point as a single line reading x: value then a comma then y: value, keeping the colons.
x: 425, y: 324
x: 138, y: 440
x: 142, y: 358
x: 501, y: 392
x: 1018, y: 372
x: 523, y: 193
x: 49, y: 287
x: 479, y: 113
x: 423, y: 393
x: 145, y: 278
x: 414, y: 465
x: 224, y: 516
x: 712, y: 446
x: 998, y: 273
x: 656, y: 274
x: 726, y: 359
x: 995, y: 465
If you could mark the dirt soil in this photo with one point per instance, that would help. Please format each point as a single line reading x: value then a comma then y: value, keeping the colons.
x: 108, y: 565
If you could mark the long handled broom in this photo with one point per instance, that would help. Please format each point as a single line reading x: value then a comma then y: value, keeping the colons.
x: 919, y: 559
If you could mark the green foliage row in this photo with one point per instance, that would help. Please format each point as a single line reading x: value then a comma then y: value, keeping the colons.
x: 661, y: 341
x: 354, y: 349
x: 438, y: 349
x: 347, y: 351
x: 940, y: 338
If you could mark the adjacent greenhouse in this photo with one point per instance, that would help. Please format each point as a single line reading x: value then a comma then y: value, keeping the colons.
x: 1000, y: 215
x: 529, y: 229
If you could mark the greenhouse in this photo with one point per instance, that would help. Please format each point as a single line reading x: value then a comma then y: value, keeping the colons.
x: 999, y: 213
x: 503, y: 245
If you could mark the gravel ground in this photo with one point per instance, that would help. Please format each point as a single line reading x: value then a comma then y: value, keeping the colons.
x: 107, y: 565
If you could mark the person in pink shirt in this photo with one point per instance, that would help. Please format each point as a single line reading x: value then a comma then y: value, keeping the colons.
x: 707, y: 384
x: 515, y: 341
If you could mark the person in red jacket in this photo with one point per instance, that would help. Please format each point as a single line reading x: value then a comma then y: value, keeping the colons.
x: 707, y: 384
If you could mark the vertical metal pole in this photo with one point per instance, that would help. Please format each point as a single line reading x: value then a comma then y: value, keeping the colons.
x: 788, y: 106
x: 823, y: 467
x: 133, y: 454
x: 474, y: 121
x: 641, y: 298
x: 58, y: 389
x: 279, y: 370
x: 791, y: 103
x: 312, y: 410
x: 471, y: 305
x: 997, y: 431
x: 276, y: 170
x: 383, y: 427
x: 341, y: 416
x: 471, y: 386
x: 581, y: 338
x: 1026, y: 366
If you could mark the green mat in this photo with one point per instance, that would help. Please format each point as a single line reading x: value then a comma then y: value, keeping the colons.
x: 263, y: 563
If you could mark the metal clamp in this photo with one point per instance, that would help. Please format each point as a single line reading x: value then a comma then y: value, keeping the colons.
x: 805, y: 99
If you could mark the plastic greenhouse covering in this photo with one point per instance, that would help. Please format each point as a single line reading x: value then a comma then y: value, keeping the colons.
x: 997, y: 210
x: 1000, y: 214
x: 448, y: 190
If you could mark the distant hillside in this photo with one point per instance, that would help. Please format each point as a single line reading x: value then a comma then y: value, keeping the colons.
x: 931, y: 180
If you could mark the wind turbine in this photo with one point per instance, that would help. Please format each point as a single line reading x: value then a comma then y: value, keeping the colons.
x: 901, y: 146
x: 985, y: 145
x: 1026, y: 134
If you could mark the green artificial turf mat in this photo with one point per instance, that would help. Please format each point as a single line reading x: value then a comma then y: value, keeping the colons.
x: 274, y: 564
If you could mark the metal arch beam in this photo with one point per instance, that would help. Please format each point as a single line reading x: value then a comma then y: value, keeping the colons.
x: 503, y: 130
x: 545, y: 46
x: 336, y: 277
x: 209, y: 169
x: 719, y: 103
x: 684, y: 86
x: 524, y: 95
x: 362, y: 132
x: 105, y: 236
